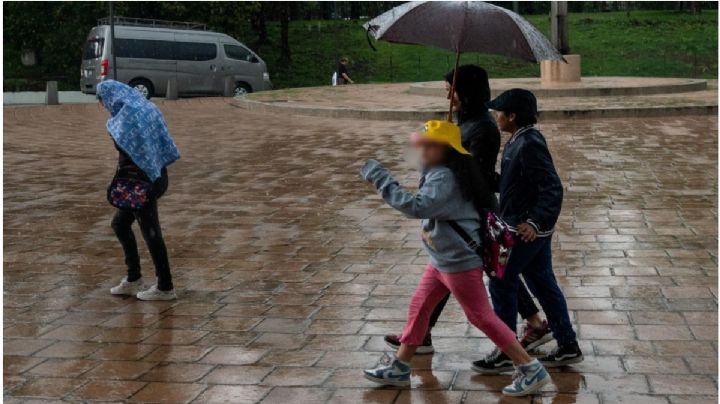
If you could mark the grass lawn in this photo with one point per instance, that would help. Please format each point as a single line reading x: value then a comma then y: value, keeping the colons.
x: 639, y: 43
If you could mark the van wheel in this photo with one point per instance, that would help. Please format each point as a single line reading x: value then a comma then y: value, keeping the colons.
x: 144, y: 87
x: 242, y: 89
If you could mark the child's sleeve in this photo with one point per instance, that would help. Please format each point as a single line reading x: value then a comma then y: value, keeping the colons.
x: 427, y: 203
x: 539, y: 167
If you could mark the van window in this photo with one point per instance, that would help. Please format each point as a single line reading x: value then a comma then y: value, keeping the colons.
x: 238, y: 53
x: 195, y: 51
x: 93, y: 48
x: 144, y: 49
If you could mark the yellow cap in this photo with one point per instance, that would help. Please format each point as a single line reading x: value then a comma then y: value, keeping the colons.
x: 443, y: 132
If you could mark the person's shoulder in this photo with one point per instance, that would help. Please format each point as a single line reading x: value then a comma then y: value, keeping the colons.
x: 439, y: 174
x: 481, y: 127
x: 531, y: 136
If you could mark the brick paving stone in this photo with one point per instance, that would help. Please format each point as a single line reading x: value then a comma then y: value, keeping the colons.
x: 120, y: 370
x: 233, y: 394
x: 167, y: 393
x: 63, y: 367
x: 233, y: 356
x: 679, y: 384
x: 45, y: 387
x: 289, y: 269
x: 377, y: 396
x: 18, y: 364
x: 299, y: 395
x: 180, y: 372
x: 108, y: 390
x: 434, y: 396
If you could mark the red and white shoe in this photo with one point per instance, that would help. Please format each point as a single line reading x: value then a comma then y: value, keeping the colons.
x: 535, y: 337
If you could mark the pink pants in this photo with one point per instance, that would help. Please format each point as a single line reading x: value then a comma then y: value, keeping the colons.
x: 469, y: 290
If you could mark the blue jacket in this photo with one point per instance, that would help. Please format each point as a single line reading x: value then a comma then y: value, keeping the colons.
x: 437, y: 201
x: 530, y: 188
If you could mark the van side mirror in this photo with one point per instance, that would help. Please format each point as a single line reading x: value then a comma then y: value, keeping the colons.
x: 254, y: 59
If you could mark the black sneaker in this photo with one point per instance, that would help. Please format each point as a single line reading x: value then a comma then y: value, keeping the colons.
x: 563, y: 356
x: 393, y: 341
x: 496, y: 362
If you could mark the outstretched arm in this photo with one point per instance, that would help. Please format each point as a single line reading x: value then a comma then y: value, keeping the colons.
x: 428, y: 203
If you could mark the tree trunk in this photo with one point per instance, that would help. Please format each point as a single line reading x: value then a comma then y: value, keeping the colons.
x: 284, y: 33
x: 259, y: 25
x: 354, y: 10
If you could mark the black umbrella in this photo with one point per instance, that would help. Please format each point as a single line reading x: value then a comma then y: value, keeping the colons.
x: 463, y: 26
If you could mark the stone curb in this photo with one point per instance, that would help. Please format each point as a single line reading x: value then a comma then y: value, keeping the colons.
x: 416, y: 115
x: 682, y: 86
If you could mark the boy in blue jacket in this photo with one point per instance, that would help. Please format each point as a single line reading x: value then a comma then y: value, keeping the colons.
x: 530, y: 200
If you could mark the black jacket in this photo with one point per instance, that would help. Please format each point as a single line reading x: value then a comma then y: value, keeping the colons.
x: 481, y: 137
x: 126, y: 168
x: 530, y: 189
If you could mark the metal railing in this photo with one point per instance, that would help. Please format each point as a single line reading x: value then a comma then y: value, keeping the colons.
x: 152, y: 22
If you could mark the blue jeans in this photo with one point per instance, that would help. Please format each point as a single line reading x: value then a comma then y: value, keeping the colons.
x: 533, y: 261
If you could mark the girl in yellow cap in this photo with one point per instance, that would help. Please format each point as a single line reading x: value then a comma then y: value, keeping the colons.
x: 451, y: 190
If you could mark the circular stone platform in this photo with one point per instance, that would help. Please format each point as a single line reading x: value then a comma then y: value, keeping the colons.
x: 588, y: 87
x: 402, y: 101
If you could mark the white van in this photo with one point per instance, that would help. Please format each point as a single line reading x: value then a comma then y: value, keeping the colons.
x: 150, y: 52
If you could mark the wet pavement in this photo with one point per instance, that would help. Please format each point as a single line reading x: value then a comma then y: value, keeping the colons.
x: 290, y: 269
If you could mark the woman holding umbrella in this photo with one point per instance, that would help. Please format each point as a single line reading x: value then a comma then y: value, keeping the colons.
x: 481, y: 137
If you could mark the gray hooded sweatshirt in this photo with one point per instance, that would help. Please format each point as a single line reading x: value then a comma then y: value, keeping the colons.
x: 438, y: 200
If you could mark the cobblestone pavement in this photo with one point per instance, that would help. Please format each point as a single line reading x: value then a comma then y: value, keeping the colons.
x: 290, y: 268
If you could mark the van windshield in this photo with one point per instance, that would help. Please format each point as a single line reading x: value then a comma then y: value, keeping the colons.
x: 93, y: 48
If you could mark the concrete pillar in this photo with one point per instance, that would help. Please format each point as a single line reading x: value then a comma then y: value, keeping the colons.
x: 171, y: 93
x: 557, y: 71
x: 559, y: 26
x: 51, y: 93
x: 229, y: 87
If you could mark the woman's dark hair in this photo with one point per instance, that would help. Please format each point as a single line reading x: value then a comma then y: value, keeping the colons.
x: 472, y: 88
x: 470, y: 180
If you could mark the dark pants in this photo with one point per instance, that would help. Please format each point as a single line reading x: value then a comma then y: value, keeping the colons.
x: 526, y: 306
x: 533, y: 261
x: 149, y: 222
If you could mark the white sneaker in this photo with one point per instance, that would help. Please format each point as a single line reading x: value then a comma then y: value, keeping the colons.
x: 128, y: 288
x: 156, y: 294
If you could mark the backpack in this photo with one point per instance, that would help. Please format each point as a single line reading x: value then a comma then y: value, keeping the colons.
x: 496, y: 242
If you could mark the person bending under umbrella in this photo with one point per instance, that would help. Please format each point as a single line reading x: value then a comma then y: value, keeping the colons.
x: 481, y: 137
x: 145, y: 149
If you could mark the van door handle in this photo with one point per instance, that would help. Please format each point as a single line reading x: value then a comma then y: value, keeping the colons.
x: 213, y: 68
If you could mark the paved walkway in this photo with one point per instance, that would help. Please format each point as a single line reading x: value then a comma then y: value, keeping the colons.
x: 291, y: 269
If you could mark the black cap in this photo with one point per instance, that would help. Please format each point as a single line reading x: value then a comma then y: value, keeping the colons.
x: 515, y: 100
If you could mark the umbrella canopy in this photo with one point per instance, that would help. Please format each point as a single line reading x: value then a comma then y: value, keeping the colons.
x: 463, y: 26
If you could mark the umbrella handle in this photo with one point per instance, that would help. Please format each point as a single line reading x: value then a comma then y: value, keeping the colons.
x: 452, y: 87
x: 367, y: 35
